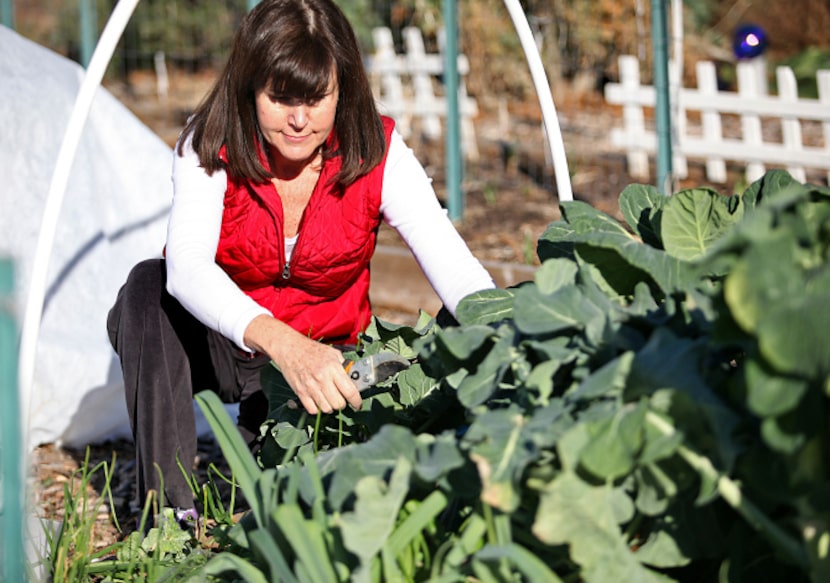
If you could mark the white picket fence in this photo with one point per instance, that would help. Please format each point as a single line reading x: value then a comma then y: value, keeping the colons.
x: 769, y: 131
x: 407, y: 88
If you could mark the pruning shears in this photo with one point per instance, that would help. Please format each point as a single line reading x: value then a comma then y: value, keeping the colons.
x: 370, y: 370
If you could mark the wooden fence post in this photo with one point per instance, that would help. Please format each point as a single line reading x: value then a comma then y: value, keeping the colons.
x: 790, y: 126
x: 823, y: 81
x: 424, y: 97
x: 633, y: 117
x: 679, y: 127
x: 404, y: 87
x: 385, y: 64
x: 749, y: 88
x: 707, y: 83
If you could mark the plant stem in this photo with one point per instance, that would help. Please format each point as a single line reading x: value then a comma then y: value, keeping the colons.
x: 731, y: 493
x: 317, y: 432
x: 487, y: 510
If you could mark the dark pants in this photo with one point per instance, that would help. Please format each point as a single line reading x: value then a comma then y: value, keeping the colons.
x: 166, y: 357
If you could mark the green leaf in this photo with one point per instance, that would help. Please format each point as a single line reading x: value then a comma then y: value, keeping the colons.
x: 615, y: 443
x: 413, y: 385
x: 377, y: 506
x: 485, y: 307
x: 587, y: 519
x: 307, y: 540
x: 230, y: 563
x: 794, y: 337
x: 346, y: 466
x: 417, y: 521
x: 659, y: 446
x: 401, y: 345
x: 769, y: 294
x: 693, y: 219
x: 769, y: 394
x: 547, y: 425
x: 500, y: 453
x: 521, y: 558
x: 288, y: 437
x: 437, y: 456
x: 167, y: 540
x: 643, y: 302
x: 461, y: 343
x: 655, y: 489
x: 578, y: 436
x: 389, y: 567
x: 470, y: 538
x: 583, y: 218
x: 480, y: 384
x: 555, y: 274
x: 396, y: 338
x: 661, y: 548
x: 503, y: 442
x: 733, y: 494
x: 640, y: 205
x: 558, y: 348
x: 555, y: 242
x: 579, y: 219
x: 276, y: 388
x: 818, y: 546
x: 269, y: 550
x: 540, y: 379
x: 772, y: 183
x: 763, y: 277
x: 779, y: 438
x: 235, y: 450
x: 608, y: 380
x: 610, y: 272
x: 590, y: 231
x: 670, y: 362
x: 623, y: 261
x: 538, y: 313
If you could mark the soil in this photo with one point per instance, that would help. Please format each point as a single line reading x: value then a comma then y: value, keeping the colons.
x: 56, y: 471
x: 509, y: 199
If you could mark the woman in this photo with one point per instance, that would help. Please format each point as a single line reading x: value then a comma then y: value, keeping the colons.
x: 281, y: 178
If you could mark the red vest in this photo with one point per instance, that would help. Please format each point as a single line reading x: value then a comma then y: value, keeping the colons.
x: 324, y: 292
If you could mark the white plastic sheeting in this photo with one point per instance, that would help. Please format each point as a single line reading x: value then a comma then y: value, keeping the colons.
x: 114, y: 214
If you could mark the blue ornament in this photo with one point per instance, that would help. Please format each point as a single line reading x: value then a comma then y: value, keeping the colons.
x: 749, y: 41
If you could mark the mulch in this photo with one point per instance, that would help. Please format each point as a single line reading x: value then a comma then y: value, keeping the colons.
x: 57, y: 471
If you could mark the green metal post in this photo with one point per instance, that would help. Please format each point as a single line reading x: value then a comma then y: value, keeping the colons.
x: 7, y: 10
x: 89, y: 30
x: 12, y: 484
x: 659, y: 38
x: 455, y: 198
x: 252, y: 4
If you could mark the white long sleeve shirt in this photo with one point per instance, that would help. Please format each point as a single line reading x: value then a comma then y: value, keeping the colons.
x: 408, y: 204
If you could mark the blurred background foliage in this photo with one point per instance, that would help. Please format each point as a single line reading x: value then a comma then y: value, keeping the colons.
x: 580, y: 39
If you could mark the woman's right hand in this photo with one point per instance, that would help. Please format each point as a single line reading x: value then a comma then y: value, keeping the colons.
x: 313, y: 370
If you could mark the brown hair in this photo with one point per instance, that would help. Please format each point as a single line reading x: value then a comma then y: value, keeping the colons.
x: 292, y: 47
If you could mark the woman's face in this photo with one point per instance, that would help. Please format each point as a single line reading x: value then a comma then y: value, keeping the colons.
x: 295, y: 130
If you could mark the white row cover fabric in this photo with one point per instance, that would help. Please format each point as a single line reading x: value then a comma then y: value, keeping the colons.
x: 114, y: 214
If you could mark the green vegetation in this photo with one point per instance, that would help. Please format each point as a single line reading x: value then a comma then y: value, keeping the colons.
x: 652, y: 407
